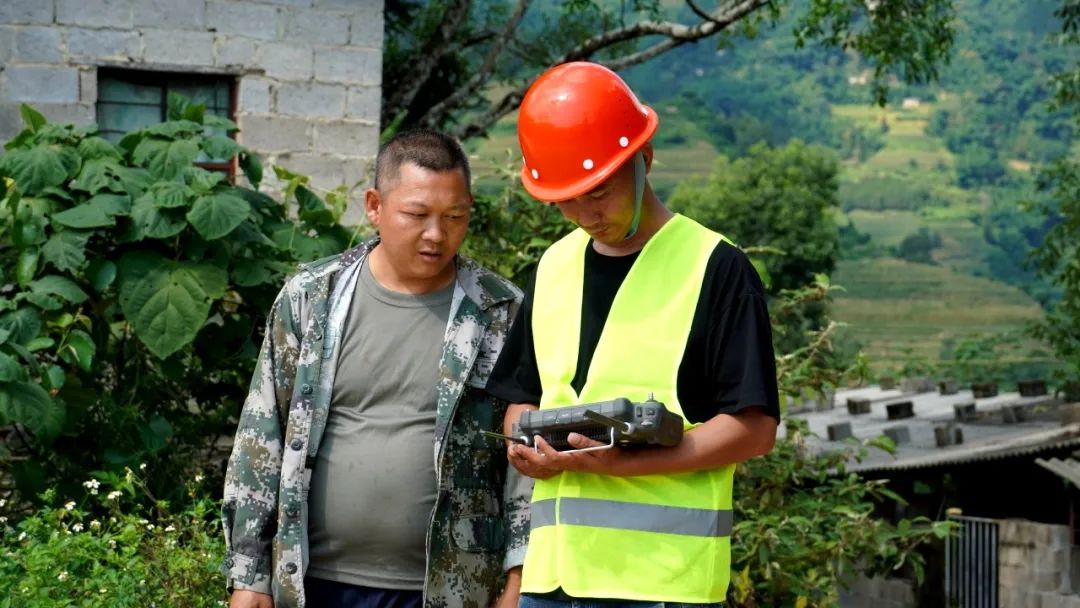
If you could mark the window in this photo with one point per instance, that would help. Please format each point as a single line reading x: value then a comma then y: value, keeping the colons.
x: 129, y: 99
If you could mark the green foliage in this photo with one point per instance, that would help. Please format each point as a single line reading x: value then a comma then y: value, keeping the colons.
x: 780, y: 198
x: 1058, y: 257
x: 107, y: 550
x: 509, y: 230
x: 918, y: 247
x: 135, y: 286
x: 803, y: 523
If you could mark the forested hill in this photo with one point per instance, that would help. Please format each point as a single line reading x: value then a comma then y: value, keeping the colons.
x: 929, y: 185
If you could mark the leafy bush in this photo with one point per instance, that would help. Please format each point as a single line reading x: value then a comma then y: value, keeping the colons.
x: 107, y: 550
x: 803, y: 524
x: 133, y: 291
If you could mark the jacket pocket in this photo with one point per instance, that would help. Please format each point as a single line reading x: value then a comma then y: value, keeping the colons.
x: 479, y: 533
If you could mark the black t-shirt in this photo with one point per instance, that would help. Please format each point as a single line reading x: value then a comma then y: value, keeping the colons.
x: 728, y: 364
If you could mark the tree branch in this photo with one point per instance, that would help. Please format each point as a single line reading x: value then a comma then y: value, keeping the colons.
x: 404, y: 91
x: 677, y: 34
x: 437, y: 113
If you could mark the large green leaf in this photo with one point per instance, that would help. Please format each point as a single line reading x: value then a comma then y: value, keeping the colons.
x: 98, y: 147
x: 10, y: 369
x: 165, y: 159
x: 32, y: 407
x: 134, y: 181
x: 248, y: 273
x: 24, y: 325
x: 203, y: 181
x: 101, y: 274
x: 174, y: 128
x: 59, y: 286
x: 167, y: 302
x: 97, y: 174
x: 252, y: 167
x: 66, y: 249
x: 220, y: 148
x: 34, y: 120
x: 312, y: 208
x: 86, y: 215
x: 112, y: 204
x: 79, y: 349
x: 40, y: 167
x: 216, y: 215
x: 169, y: 195
x: 26, y: 266
x: 43, y: 301
x: 151, y: 221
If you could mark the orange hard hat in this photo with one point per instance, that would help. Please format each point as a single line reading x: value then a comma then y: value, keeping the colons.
x: 578, y: 123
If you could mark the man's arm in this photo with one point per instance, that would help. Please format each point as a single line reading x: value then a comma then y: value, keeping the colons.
x: 722, y: 440
x: 249, y: 506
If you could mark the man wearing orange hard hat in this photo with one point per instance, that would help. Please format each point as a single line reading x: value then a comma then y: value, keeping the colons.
x: 638, y: 301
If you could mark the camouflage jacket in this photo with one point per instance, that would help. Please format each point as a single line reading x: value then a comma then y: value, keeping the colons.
x: 479, y: 526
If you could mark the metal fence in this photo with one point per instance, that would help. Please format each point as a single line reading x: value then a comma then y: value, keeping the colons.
x: 971, y: 564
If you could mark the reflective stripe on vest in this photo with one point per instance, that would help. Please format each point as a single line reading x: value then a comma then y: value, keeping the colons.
x: 631, y: 516
x: 647, y: 538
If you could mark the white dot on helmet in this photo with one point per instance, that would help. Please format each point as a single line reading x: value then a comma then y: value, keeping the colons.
x: 588, y: 164
x: 535, y: 174
x: 623, y: 141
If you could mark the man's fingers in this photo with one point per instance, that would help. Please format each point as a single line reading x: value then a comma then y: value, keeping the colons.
x: 580, y: 441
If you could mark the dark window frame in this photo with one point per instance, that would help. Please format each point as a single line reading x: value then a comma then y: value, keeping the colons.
x: 163, y: 80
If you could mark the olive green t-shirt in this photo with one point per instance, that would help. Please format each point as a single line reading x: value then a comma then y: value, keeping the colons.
x: 373, y: 484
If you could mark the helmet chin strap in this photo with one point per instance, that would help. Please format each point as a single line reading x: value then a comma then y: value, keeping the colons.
x: 639, y: 194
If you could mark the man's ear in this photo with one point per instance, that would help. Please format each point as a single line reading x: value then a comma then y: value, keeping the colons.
x: 647, y: 152
x: 372, y: 206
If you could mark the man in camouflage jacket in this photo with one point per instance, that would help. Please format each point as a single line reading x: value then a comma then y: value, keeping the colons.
x: 479, y: 525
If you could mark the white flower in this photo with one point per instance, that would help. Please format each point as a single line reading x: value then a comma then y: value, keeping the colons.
x: 95, y: 524
x: 142, y: 467
x: 22, y: 535
x: 3, y: 520
x: 149, y: 526
x: 77, y: 528
x: 112, y: 544
x: 2, y: 503
x: 92, y: 485
x: 114, y: 495
x: 170, y: 529
x: 198, y: 477
x: 103, y: 590
x: 70, y: 505
x: 62, y: 576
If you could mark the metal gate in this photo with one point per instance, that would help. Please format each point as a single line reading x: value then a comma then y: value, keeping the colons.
x: 971, y: 563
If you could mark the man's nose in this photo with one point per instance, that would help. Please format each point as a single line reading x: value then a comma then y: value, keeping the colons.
x: 434, y: 230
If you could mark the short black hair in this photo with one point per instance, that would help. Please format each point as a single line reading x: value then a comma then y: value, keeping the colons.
x: 424, y: 148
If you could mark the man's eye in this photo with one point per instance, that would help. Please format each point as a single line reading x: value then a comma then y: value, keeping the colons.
x: 455, y: 217
x: 413, y: 214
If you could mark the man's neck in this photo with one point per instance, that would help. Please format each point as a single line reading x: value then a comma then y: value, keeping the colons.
x: 387, y: 276
x: 653, y: 217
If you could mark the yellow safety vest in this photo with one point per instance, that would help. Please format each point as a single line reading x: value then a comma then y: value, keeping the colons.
x: 663, y: 538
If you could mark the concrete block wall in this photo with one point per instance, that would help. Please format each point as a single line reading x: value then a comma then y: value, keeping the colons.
x: 309, y: 72
x: 1035, y: 566
x: 866, y: 592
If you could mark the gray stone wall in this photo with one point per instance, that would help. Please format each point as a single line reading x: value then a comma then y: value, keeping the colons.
x: 878, y: 592
x: 309, y: 72
x: 1035, y: 566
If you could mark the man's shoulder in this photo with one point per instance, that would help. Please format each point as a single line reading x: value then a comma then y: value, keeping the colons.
x: 310, y: 274
x: 486, y: 286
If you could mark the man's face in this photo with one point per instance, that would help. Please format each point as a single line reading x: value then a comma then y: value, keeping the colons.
x: 421, y: 217
x: 607, y: 211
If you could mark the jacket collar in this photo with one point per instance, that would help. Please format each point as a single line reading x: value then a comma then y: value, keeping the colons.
x: 483, y: 287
